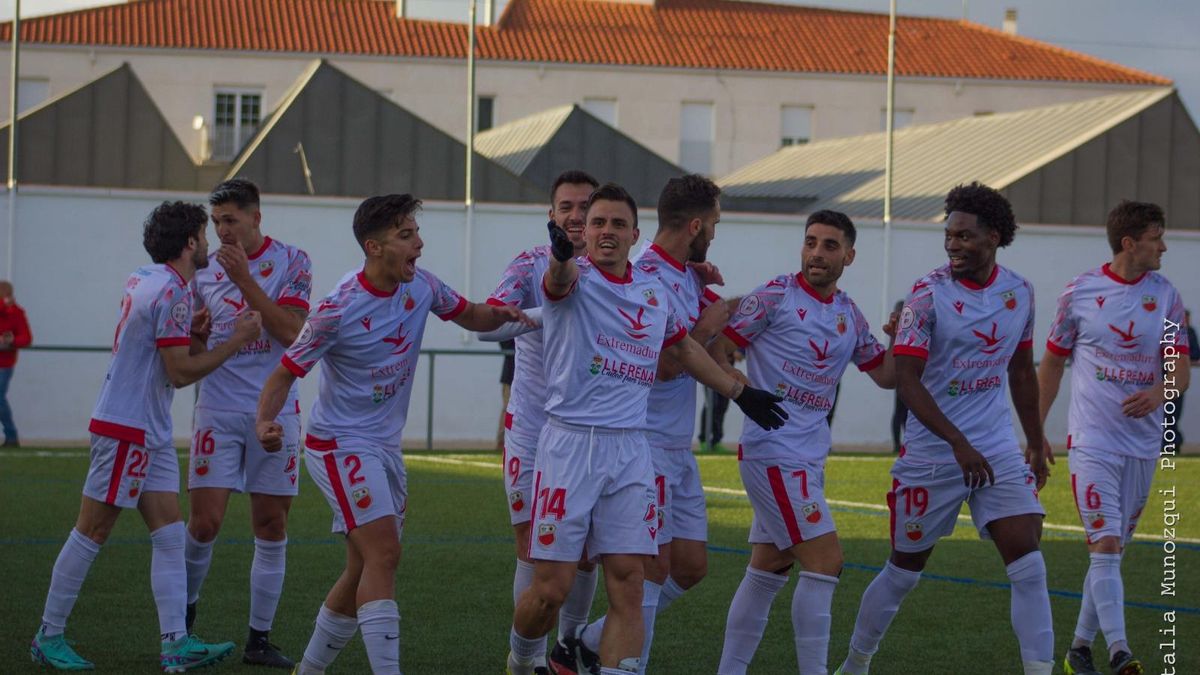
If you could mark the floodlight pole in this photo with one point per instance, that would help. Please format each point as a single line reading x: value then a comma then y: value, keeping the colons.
x: 885, y: 308
x: 12, y: 139
x: 470, y: 180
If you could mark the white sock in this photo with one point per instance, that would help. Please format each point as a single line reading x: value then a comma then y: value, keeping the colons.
x: 522, y: 579
x: 266, y: 581
x: 526, y: 649
x: 747, y: 619
x: 70, y: 569
x: 625, y: 667
x: 330, y: 635
x: 1038, y: 667
x: 168, y: 579
x: 1030, y: 612
x: 878, y: 607
x: 575, y: 609
x: 198, y: 557
x: 650, y: 593
x: 669, y: 594
x: 590, y: 635
x: 812, y: 605
x: 379, y: 622
x: 1108, y: 594
x: 1088, y: 623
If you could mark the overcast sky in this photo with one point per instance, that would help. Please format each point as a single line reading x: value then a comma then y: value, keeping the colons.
x: 1160, y: 36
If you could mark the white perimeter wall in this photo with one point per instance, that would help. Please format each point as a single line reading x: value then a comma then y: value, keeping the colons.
x: 74, y: 248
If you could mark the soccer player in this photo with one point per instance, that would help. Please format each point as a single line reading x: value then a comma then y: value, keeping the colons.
x: 688, y: 213
x: 605, y: 323
x: 1117, y: 322
x: 799, y: 333
x: 133, y: 460
x: 966, y: 334
x: 250, y: 272
x: 367, y: 333
x: 525, y: 416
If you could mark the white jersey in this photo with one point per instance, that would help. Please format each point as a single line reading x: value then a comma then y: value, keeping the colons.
x: 797, y: 346
x: 602, y: 341
x: 285, y: 275
x: 367, y: 341
x: 135, y: 400
x: 967, y: 335
x: 671, y: 409
x: 521, y: 285
x: 1116, y: 331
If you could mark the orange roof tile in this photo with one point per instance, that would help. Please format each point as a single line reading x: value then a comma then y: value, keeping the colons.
x: 718, y: 34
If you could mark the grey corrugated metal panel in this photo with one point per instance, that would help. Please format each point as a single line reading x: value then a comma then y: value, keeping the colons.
x: 107, y: 133
x: 358, y: 143
x: 847, y: 173
x: 586, y: 142
x: 514, y: 145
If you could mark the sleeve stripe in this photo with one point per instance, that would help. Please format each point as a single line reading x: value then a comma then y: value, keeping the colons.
x: 173, y: 342
x: 555, y: 298
x: 1055, y: 349
x: 674, y: 339
x: 293, y: 302
x: 458, y: 309
x: 738, y: 340
x: 873, y: 363
x: 907, y: 350
x: 710, y: 296
x: 494, y: 302
x: 293, y: 367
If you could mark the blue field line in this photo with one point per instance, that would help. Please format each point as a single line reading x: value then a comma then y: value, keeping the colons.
x: 967, y: 581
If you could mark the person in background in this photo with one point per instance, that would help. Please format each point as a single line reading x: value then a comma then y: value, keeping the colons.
x: 506, y: 379
x: 14, y: 335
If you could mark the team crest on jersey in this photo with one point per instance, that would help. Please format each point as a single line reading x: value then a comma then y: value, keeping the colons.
x: 913, y: 531
x: 265, y: 268
x: 546, y: 534
x: 135, y: 486
x: 650, y: 299
x: 409, y: 303
x: 907, y: 317
x: 841, y: 324
x: 781, y: 389
x: 362, y: 497
x: 181, y: 313
x: 812, y: 512
x: 1094, y: 520
x: 597, y: 364
x: 516, y: 500
x: 1010, y: 299
x: 1149, y: 303
x: 749, y: 305
x: 201, y: 466
x: 801, y: 312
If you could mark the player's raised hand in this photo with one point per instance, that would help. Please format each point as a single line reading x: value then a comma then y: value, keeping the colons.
x: 560, y: 244
x: 201, y: 324
x: 762, y: 407
x: 270, y: 435
x: 249, y: 327
x: 510, y: 313
x: 717, y: 314
x: 1037, y: 461
x: 889, y: 328
x: 1142, y: 403
x: 709, y: 274
x: 233, y: 259
x: 976, y: 470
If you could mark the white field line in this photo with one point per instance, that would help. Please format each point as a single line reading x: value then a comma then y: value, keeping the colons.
x: 707, y: 488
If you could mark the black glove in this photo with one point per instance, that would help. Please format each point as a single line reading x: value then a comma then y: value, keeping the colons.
x: 762, y: 407
x: 560, y: 244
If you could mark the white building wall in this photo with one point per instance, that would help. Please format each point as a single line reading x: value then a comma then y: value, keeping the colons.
x: 74, y: 248
x: 747, y: 104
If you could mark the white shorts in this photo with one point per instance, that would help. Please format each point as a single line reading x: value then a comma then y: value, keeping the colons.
x: 593, y: 491
x: 520, y: 449
x: 361, y: 482
x: 680, y: 495
x: 120, y: 472
x: 226, y: 453
x: 1110, y: 491
x: 788, y: 496
x: 926, y: 499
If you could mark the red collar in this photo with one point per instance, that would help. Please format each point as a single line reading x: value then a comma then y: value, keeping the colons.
x: 812, y: 291
x: 366, y: 284
x: 614, y: 279
x: 667, y: 257
x: 179, y: 276
x: 1117, y: 278
x: 261, y: 249
x: 969, y: 283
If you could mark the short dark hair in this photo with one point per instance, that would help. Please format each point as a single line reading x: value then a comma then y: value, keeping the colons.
x: 989, y: 207
x: 1132, y: 219
x: 167, y: 229
x: 833, y: 219
x: 685, y: 198
x: 612, y: 192
x: 572, y: 177
x: 241, y: 191
x: 378, y: 213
